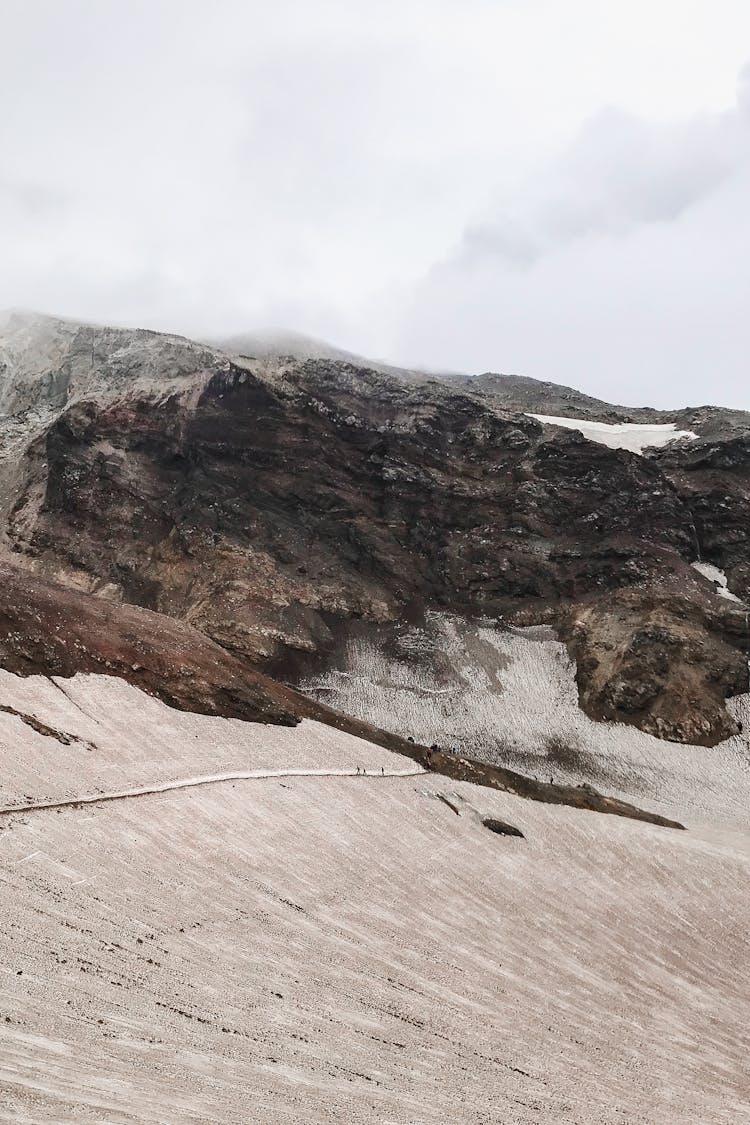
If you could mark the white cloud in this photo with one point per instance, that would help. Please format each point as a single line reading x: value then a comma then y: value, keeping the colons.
x: 620, y: 269
x: 212, y: 167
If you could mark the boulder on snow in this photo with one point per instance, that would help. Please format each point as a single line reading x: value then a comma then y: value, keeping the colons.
x: 501, y: 827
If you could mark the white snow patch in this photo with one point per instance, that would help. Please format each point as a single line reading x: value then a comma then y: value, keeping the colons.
x: 719, y: 579
x: 623, y: 435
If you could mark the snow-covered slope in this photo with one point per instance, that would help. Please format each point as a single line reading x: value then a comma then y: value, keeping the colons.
x: 510, y: 697
x: 346, y: 949
x: 107, y: 735
x: 623, y: 435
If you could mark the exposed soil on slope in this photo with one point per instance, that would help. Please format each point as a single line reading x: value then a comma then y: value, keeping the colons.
x: 48, y: 630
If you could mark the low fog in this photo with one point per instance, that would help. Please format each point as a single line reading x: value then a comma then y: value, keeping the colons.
x: 553, y: 190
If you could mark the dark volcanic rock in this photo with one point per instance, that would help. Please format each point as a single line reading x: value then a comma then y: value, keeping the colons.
x: 271, y: 503
x: 501, y: 827
x: 262, y: 511
x: 658, y: 658
x: 713, y: 478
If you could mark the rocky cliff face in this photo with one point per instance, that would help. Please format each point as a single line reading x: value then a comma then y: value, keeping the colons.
x: 713, y: 479
x: 271, y: 502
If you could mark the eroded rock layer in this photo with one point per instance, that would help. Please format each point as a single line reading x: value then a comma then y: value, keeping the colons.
x: 272, y: 502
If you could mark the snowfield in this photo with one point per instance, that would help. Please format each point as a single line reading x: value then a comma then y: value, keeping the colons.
x: 337, y: 948
x: 122, y: 739
x: 510, y: 697
x: 623, y: 435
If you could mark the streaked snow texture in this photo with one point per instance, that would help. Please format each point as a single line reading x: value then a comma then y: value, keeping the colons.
x: 346, y: 949
x: 510, y: 697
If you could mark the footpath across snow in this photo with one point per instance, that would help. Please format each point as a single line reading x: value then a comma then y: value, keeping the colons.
x: 314, y: 949
x: 208, y: 779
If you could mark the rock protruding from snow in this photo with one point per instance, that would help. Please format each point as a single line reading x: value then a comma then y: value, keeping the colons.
x: 623, y: 435
x: 501, y: 827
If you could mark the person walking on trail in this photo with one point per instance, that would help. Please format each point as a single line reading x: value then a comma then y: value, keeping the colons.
x: 382, y: 770
x: 357, y: 770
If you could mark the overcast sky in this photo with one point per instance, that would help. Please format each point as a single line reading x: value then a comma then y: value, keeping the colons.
x: 554, y: 189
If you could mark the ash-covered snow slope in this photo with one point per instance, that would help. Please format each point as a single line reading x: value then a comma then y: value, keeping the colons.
x: 347, y: 949
x: 622, y: 435
x: 510, y: 698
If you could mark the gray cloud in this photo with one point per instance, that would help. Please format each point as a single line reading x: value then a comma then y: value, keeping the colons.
x: 623, y: 272
x: 619, y: 172
x: 211, y: 169
x: 743, y: 91
x: 34, y: 200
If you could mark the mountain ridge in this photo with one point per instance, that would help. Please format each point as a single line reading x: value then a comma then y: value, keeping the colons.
x: 274, y: 502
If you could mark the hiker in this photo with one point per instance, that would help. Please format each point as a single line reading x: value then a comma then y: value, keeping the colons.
x: 382, y: 770
x: 357, y: 770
